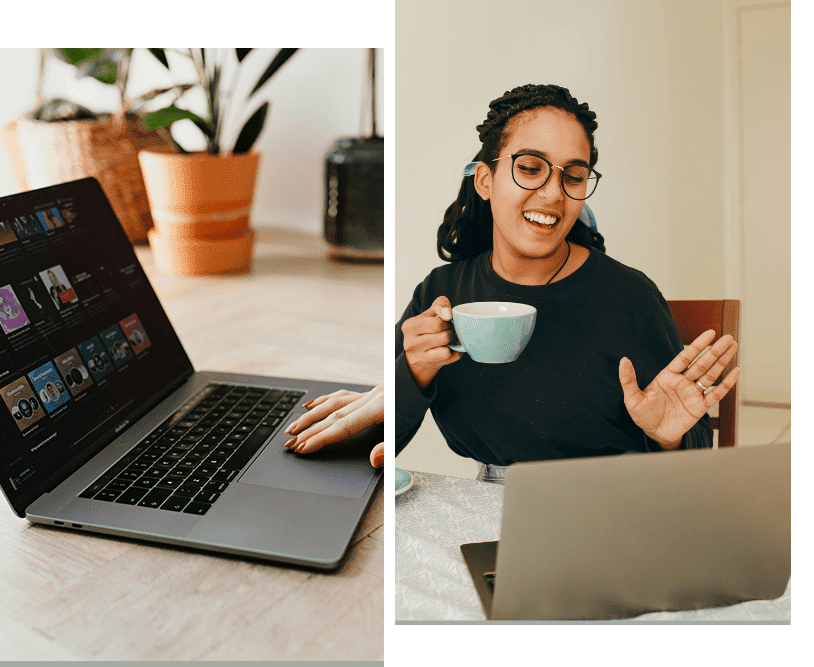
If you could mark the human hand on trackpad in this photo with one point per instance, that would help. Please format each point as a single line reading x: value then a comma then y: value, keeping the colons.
x: 336, y: 417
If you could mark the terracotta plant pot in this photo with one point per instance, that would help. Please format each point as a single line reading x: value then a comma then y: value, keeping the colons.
x: 200, y: 197
x: 188, y: 256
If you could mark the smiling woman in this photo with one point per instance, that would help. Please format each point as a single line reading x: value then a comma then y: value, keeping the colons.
x: 514, y: 235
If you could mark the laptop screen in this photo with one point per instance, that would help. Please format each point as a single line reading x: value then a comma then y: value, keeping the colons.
x: 85, y: 346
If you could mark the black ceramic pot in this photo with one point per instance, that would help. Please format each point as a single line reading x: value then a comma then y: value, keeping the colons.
x: 354, y: 197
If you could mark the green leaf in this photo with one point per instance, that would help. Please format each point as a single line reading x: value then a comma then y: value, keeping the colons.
x: 76, y: 56
x: 279, y: 60
x: 251, y: 130
x: 102, y: 70
x: 169, y: 115
x: 241, y: 54
x: 161, y: 56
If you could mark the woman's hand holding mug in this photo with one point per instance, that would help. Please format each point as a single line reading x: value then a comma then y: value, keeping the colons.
x: 426, y: 337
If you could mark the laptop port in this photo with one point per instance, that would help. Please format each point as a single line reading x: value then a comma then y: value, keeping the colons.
x: 59, y: 523
x: 76, y: 525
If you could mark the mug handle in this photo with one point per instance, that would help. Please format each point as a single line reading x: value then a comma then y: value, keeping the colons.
x: 455, y: 348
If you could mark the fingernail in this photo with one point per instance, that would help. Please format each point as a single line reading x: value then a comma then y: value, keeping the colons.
x: 446, y: 313
x: 378, y: 460
x: 300, y: 448
x: 291, y: 427
x: 308, y: 404
x: 290, y: 442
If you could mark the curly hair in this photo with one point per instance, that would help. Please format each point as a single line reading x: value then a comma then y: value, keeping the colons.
x: 466, y: 230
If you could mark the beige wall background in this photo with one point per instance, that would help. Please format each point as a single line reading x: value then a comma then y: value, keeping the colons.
x: 662, y: 77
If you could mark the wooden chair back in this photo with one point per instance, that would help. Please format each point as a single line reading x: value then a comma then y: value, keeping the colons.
x: 694, y: 318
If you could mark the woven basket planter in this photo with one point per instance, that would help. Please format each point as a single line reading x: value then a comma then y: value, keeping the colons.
x: 43, y: 154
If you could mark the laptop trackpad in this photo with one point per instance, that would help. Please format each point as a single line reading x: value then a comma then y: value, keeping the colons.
x: 342, y: 469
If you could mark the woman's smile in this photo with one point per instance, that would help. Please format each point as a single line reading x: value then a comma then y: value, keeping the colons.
x: 541, y: 221
x: 544, y: 219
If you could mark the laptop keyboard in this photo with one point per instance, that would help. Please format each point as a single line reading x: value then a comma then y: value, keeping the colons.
x: 186, y: 463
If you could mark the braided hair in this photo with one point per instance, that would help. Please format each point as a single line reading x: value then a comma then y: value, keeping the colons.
x: 467, y: 227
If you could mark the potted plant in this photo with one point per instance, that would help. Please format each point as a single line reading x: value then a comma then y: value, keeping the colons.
x: 200, y: 201
x: 62, y: 140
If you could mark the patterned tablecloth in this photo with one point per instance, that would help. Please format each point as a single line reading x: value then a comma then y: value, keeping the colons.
x: 440, y: 513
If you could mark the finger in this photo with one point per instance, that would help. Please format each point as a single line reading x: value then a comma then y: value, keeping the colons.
x: 333, y: 415
x: 377, y: 456
x: 335, y: 408
x: 432, y: 341
x: 421, y: 326
x: 712, y: 397
x: 440, y: 308
x: 685, y: 357
x: 341, y: 428
x: 321, y: 417
x: 627, y: 376
x: 704, y: 362
x: 711, y: 374
x: 321, y: 399
x: 321, y: 411
x: 441, y: 355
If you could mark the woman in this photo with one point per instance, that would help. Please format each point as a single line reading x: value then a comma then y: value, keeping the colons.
x: 602, y: 328
x: 56, y: 288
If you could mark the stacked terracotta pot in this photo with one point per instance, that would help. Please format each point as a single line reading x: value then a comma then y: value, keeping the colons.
x: 200, y: 206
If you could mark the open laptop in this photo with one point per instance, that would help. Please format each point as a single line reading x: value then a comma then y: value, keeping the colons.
x: 607, y: 538
x: 106, y: 427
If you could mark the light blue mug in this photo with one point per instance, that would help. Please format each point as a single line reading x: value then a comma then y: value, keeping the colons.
x: 493, y: 332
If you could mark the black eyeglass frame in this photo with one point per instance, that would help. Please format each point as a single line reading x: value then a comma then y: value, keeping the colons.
x: 551, y: 166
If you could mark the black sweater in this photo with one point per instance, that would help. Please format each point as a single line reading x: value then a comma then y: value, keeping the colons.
x: 562, y: 397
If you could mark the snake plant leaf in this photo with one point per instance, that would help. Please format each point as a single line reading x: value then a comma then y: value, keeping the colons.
x: 169, y: 115
x: 241, y: 54
x: 251, y: 130
x: 161, y: 56
x: 279, y: 60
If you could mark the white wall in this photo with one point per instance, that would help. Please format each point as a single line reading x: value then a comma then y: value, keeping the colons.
x: 315, y: 98
x: 653, y: 72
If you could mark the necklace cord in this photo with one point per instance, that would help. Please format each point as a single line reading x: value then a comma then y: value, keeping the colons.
x: 562, y: 266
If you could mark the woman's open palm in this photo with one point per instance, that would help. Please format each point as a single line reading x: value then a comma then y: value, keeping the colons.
x: 672, y: 403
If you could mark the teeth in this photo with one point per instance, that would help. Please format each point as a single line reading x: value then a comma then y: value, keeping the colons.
x: 539, y: 218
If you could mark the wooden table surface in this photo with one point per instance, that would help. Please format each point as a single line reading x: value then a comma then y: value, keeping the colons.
x: 71, y: 596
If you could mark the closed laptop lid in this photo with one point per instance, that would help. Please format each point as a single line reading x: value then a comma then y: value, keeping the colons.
x: 617, y: 537
x: 85, y: 346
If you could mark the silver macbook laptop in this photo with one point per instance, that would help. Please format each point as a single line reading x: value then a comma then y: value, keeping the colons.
x: 608, y: 538
x: 106, y: 427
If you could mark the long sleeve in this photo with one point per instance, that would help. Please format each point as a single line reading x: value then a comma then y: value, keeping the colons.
x: 411, y: 402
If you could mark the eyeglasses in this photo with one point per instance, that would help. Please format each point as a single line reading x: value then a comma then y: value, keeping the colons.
x: 531, y: 172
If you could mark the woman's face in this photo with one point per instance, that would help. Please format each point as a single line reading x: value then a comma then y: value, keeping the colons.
x: 561, y: 139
